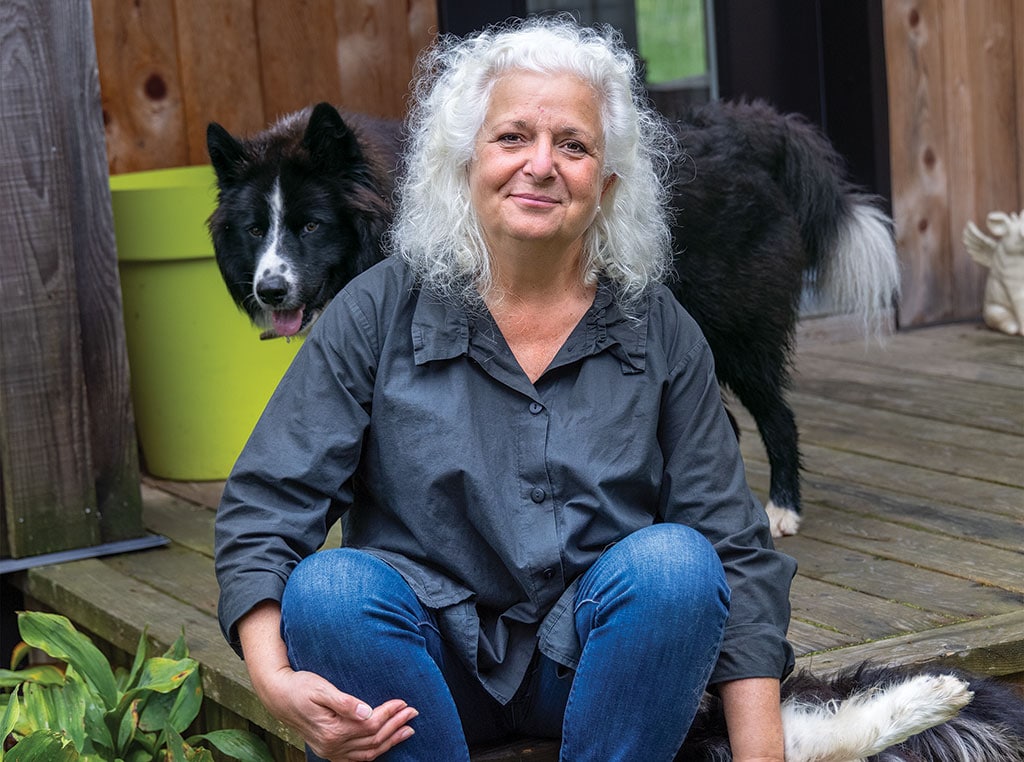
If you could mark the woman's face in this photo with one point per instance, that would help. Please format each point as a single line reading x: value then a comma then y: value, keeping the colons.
x: 536, y: 170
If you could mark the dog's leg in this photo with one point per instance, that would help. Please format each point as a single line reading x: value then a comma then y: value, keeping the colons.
x: 869, y: 722
x: 763, y: 395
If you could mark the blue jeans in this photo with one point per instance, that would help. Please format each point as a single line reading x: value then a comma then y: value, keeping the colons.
x: 649, y: 614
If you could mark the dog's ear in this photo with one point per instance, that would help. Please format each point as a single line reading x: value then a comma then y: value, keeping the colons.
x: 227, y: 154
x: 330, y: 142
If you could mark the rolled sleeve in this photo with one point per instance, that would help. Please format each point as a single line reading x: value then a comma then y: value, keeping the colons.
x: 705, y: 487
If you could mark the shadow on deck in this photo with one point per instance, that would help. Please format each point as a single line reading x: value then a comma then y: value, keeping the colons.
x: 911, y: 550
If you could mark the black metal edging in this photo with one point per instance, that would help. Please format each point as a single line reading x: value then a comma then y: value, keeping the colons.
x: 11, y: 565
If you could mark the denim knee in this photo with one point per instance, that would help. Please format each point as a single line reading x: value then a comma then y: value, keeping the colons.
x: 663, y: 566
x: 345, y: 595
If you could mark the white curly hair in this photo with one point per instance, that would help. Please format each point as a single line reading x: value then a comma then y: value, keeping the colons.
x: 435, y: 227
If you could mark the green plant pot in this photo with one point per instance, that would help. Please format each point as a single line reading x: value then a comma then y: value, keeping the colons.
x: 200, y: 373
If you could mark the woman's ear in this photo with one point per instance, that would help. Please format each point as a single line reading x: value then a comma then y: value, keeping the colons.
x: 608, y: 183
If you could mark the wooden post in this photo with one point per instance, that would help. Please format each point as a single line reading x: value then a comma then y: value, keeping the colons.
x: 68, y: 458
x: 954, y: 103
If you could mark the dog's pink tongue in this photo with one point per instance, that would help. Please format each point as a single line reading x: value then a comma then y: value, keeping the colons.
x: 287, y: 322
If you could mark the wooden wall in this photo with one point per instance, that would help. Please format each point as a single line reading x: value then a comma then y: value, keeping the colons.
x: 169, y: 67
x: 68, y: 461
x: 956, y: 121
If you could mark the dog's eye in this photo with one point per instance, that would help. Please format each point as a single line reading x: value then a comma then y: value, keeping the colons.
x: 256, y: 231
x: 310, y: 226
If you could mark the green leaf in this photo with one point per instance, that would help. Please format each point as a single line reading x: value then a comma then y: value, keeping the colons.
x: 162, y: 675
x: 56, y: 636
x: 43, y: 746
x: 140, y: 659
x: 238, y: 744
x: 8, y: 720
x: 45, y: 674
x: 98, y: 736
x: 178, y: 649
x: 187, y: 703
x: 126, y: 730
x: 176, y: 746
x: 19, y: 653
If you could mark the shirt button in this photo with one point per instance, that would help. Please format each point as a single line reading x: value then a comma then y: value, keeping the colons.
x: 536, y: 407
x: 538, y: 495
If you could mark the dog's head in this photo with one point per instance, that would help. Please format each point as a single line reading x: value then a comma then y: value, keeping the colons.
x: 301, y: 209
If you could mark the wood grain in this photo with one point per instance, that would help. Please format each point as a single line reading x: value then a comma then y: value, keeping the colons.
x: 49, y: 498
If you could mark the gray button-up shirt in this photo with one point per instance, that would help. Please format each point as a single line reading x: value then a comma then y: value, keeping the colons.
x: 489, y: 494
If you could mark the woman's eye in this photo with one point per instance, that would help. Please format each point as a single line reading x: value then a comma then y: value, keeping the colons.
x: 573, y: 146
x: 256, y: 231
x: 510, y: 138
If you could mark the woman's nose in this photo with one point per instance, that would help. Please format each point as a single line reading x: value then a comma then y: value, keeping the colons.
x: 540, y: 162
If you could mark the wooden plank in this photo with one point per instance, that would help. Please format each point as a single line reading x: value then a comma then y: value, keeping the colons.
x: 948, y: 555
x: 918, y: 153
x: 532, y: 750
x: 219, y: 64
x: 176, y: 571
x: 49, y: 499
x: 1018, y: 94
x: 378, y: 41
x: 895, y: 487
x: 861, y: 616
x: 964, y: 402
x: 983, y: 142
x: 990, y: 358
x: 991, y: 646
x: 298, y: 52
x: 807, y: 638
x: 113, y: 446
x: 954, y: 597
x: 183, y: 522
x: 951, y: 449
x: 143, y: 108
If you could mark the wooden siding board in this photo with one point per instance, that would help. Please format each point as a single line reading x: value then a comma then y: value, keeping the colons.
x: 374, y: 40
x: 141, y: 88
x: 1018, y: 95
x: 298, y: 55
x: 913, y: 39
x: 113, y: 445
x: 219, y: 64
x: 49, y: 499
x: 982, y: 145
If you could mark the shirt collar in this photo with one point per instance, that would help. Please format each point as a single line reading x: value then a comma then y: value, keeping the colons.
x: 441, y: 330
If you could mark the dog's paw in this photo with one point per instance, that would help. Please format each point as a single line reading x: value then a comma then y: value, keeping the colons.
x: 783, y: 521
x: 927, y: 700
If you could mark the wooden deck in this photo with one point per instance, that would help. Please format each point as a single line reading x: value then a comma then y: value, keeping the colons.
x: 912, y: 549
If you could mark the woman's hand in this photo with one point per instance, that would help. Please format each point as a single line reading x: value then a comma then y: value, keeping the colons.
x: 337, y: 727
x: 753, y: 716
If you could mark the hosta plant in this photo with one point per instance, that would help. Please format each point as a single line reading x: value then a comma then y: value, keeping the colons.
x: 85, y: 711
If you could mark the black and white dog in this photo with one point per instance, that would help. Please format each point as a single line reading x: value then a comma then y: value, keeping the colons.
x: 882, y: 714
x: 763, y: 210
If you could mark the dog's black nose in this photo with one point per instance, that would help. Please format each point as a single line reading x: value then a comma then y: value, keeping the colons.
x: 272, y: 290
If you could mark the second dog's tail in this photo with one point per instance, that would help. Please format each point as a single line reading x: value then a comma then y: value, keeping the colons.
x: 853, y: 264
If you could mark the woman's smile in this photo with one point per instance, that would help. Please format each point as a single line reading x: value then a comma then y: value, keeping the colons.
x: 537, y: 171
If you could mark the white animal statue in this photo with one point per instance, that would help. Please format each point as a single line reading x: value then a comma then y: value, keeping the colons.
x: 1003, y: 255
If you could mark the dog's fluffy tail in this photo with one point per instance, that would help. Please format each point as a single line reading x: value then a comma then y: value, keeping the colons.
x: 852, y: 259
x: 870, y: 722
x: 882, y: 714
x: 860, y: 272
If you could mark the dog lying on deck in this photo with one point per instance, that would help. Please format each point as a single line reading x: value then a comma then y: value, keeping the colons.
x: 882, y: 714
x: 763, y: 210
